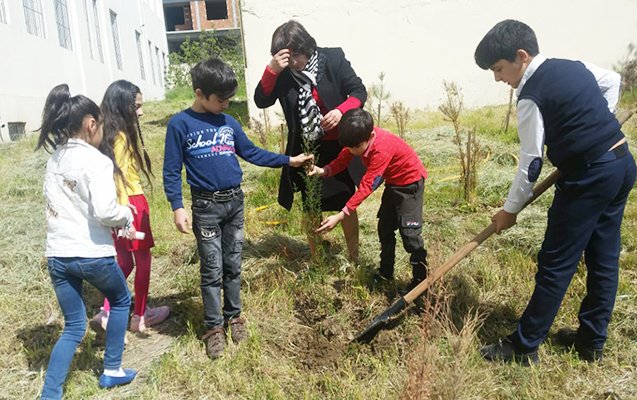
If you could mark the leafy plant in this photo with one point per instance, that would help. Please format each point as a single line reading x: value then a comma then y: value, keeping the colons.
x: 377, y: 95
x: 401, y: 115
x: 469, y: 151
x: 228, y: 48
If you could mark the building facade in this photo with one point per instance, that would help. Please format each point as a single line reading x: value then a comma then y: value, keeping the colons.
x: 418, y: 44
x: 85, y: 43
x: 186, y: 19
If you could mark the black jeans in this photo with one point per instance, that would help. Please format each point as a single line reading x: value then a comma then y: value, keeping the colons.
x: 401, y: 208
x: 218, y: 227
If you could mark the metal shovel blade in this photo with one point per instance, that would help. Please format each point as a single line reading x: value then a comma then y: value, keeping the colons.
x: 366, y: 335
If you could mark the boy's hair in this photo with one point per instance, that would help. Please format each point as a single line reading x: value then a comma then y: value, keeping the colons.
x: 355, y: 127
x: 63, y: 117
x: 503, y: 41
x: 213, y: 76
x: 292, y: 35
x: 118, y: 108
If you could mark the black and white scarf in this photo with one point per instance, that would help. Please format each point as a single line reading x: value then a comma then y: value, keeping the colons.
x: 309, y: 112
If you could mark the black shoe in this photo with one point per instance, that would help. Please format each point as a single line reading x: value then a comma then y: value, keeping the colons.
x: 570, y: 338
x: 504, y: 350
x: 378, y: 278
x: 412, y: 284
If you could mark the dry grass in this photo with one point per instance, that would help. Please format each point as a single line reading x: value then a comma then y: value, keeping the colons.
x: 302, y: 318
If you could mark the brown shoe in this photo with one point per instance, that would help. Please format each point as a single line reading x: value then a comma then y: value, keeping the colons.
x: 215, y: 340
x: 238, y: 331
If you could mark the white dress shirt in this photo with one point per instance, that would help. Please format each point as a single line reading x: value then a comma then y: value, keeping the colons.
x: 531, y: 129
x: 81, y: 206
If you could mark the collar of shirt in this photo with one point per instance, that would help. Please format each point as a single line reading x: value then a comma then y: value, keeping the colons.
x: 530, y: 70
x: 369, y: 146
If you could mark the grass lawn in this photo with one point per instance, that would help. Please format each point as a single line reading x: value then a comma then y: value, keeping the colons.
x: 303, y: 314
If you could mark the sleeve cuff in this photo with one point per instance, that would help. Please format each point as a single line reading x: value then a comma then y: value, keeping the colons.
x: 512, y: 208
x: 327, y: 171
x: 177, y: 204
x: 349, y: 104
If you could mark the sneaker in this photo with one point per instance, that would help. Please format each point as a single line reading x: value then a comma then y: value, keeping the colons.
x: 137, y: 324
x: 112, y: 381
x: 570, y: 338
x: 98, y: 322
x: 157, y: 315
x: 505, y: 351
x: 238, y: 331
x: 215, y: 340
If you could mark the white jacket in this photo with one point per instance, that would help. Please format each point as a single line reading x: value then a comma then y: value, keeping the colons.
x: 81, y: 206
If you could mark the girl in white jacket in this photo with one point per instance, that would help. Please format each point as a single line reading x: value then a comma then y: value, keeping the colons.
x: 81, y: 211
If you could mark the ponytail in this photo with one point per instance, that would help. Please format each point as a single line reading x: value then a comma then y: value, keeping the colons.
x: 63, y: 116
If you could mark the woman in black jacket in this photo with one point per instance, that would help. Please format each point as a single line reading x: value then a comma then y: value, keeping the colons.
x: 315, y: 87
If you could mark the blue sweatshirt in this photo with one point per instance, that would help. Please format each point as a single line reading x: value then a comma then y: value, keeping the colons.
x: 207, y: 144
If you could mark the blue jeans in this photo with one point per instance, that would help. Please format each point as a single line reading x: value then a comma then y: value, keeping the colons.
x: 218, y: 227
x: 67, y: 275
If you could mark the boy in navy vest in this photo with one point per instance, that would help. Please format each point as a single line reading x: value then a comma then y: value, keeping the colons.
x: 567, y: 106
x: 207, y: 141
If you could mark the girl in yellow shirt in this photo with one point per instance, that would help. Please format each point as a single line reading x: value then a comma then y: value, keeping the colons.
x: 124, y: 145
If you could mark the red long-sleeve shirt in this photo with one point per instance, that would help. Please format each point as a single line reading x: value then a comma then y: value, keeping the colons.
x: 386, y: 156
x: 268, y: 81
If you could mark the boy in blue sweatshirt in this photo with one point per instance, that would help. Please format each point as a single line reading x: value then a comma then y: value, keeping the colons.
x: 567, y: 106
x: 207, y: 141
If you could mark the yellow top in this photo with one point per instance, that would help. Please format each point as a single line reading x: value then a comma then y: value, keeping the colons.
x: 128, y: 164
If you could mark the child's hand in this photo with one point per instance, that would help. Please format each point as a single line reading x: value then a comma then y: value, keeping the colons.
x: 300, y: 159
x: 503, y: 220
x: 182, y: 221
x: 130, y: 232
x: 132, y: 208
x: 331, y: 119
x: 316, y: 171
x: 280, y: 60
x: 330, y: 222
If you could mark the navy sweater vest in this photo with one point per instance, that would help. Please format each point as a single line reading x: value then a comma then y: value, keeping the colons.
x: 578, y: 126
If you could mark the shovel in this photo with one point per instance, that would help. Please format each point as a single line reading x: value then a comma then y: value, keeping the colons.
x: 368, y: 334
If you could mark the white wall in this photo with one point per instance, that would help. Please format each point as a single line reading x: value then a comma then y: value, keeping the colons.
x: 30, y: 65
x: 420, y: 43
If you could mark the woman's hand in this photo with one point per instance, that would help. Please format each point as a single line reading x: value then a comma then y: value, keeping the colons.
x: 331, y: 119
x: 300, y: 159
x: 280, y: 61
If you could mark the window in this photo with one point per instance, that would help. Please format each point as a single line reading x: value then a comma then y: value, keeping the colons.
x: 152, y: 63
x: 33, y: 17
x: 159, y: 71
x: 163, y: 66
x: 97, y: 31
x: 175, y: 18
x: 216, y: 9
x: 3, y: 13
x: 140, y: 55
x: 93, y: 24
x: 62, y: 20
x: 118, y: 51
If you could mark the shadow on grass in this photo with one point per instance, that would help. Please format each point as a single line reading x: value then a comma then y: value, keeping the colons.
x: 238, y: 109
x: 38, y: 341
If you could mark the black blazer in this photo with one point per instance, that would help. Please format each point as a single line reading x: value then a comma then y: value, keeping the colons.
x: 335, y: 82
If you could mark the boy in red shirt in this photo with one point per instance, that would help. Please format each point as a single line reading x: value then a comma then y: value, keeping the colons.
x: 387, y: 157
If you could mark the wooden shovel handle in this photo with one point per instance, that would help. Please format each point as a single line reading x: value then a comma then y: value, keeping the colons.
x: 489, y: 230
